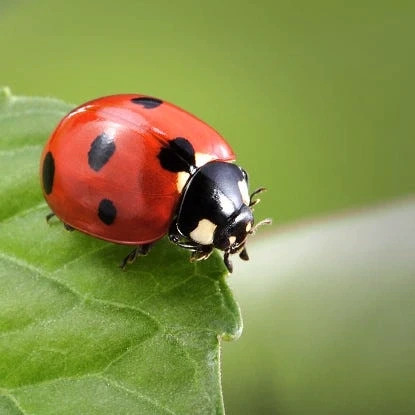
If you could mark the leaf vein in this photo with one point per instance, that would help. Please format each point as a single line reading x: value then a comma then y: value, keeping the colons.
x: 23, y: 212
x: 43, y: 274
x: 16, y: 403
x: 115, y: 384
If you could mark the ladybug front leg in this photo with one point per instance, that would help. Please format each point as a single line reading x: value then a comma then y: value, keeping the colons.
x: 187, y: 243
x: 174, y: 234
x: 140, y: 250
x: 227, y: 261
x: 200, y: 251
x: 177, y: 238
x: 244, y: 254
x: 203, y: 252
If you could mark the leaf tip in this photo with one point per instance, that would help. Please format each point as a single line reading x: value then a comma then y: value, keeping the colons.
x: 233, y: 334
x: 233, y: 331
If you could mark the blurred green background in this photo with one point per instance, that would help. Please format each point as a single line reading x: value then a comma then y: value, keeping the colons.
x: 316, y: 98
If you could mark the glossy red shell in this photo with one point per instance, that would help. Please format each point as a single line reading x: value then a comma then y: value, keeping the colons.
x: 145, y: 194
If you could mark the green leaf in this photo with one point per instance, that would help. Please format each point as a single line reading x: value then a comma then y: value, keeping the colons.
x: 79, y: 335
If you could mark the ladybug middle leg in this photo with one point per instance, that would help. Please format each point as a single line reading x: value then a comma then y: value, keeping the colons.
x: 50, y: 215
x: 140, y: 250
x: 68, y: 227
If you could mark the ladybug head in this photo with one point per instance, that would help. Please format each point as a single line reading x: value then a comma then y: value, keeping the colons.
x: 232, y: 237
x: 215, y: 212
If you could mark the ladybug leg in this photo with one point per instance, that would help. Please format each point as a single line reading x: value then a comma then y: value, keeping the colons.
x: 140, y: 250
x: 244, y: 255
x: 68, y: 227
x: 191, y: 246
x: 227, y: 262
x: 203, y: 253
x: 181, y: 241
x: 49, y: 216
x: 174, y: 234
x: 177, y: 238
x: 199, y: 251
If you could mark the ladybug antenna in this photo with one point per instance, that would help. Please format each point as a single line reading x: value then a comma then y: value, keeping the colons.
x: 254, y: 193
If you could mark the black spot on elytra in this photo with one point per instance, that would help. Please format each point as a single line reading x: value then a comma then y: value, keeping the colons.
x: 147, y: 102
x: 107, y: 211
x: 102, y: 148
x: 48, y: 173
x: 177, y: 155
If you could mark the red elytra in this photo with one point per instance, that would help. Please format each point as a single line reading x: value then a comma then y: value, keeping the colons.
x: 127, y: 132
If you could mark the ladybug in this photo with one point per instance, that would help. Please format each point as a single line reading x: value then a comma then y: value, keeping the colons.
x: 130, y: 168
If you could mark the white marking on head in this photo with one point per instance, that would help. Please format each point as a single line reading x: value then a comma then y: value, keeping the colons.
x: 182, y: 178
x: 232, y: 240
x: 203, y: 233
x: 248, y: 227
x: 243, y: 188
x: 202, y: 158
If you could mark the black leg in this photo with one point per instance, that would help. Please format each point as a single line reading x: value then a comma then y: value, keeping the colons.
x: 244, y: 255
x: 49, y: 216
x: 174, y: 234
x: 203, y: 253
x: 200, y: 252
x: 68, y: 227
x: 140, y: 250
x: 227, y: 262
x: 177, y: 238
